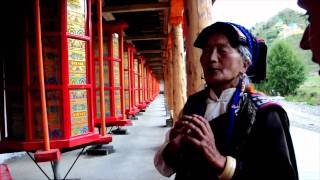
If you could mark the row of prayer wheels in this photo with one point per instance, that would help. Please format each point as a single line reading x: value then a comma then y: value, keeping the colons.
x: 66, y: 50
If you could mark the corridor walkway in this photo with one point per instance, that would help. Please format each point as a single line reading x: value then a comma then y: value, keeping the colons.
x: 133, y: 156
x: 132, y: 159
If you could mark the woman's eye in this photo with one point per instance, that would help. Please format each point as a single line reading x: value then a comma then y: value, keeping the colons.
x: 206, y: 51
x: 222, y: 50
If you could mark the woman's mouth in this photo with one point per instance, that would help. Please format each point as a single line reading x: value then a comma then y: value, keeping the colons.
x: 213, y: 70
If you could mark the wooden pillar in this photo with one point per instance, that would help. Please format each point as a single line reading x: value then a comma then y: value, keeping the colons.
x: 169, y: 75
x: 179, y: 71
x: 165, y: 80
x: 170, y: 79
x: 178, y: 63
x: 198, y: 15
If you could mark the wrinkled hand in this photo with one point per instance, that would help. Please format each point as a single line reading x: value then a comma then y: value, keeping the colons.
x: 176, y: 134
x: 198, y: 133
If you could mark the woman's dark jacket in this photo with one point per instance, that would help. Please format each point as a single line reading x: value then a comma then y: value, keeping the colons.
x: 261, y: 142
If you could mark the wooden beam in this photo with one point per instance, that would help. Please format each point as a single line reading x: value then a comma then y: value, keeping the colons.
x: 137, y: 7
x: 154, y: 59
x: 156, y: 66
x: 157, y: 70
x: 151, y: 63
x: 160, y: 73
x: 151, y: 51
x: 146, y: 37
x: 155, y: 62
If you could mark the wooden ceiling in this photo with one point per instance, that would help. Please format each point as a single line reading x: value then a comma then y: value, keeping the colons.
x: 148, y: 27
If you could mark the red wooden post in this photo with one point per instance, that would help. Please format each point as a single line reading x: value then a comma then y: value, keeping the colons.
x: 122, y: 86
x: 133, y: 81
x: 28, y: 127
x: 101, y: 75
x: 61, y: 65
x: 65, y: 70
x: 41, y: 77
x: 140, y: 102
x: 113, y: 76
x: 126, y: 79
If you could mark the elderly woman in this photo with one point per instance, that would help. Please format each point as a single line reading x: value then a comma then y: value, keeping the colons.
x: 227, y: 131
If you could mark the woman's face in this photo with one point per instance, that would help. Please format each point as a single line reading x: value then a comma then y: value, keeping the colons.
x: 221, y: 62
x: 311, y: 36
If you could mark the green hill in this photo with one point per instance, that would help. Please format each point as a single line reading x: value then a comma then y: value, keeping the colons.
x: 271, y: 29
x: 288, y: 24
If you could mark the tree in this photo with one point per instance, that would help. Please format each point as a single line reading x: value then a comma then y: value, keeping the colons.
x: 285, y: 72
x: 271, y: 29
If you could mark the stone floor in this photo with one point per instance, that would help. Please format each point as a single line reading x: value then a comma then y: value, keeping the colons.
x: 133, y: 156
x: 132, y: 159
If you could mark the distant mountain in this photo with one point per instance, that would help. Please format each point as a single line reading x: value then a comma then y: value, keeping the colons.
x: 286, y: 23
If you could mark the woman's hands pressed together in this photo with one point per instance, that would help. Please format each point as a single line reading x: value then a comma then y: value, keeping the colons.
x: 196, y: 131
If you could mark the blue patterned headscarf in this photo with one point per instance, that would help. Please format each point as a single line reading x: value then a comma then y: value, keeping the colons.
x: 238, y: 35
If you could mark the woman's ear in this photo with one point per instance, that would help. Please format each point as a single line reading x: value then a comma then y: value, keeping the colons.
x: 245, y: 66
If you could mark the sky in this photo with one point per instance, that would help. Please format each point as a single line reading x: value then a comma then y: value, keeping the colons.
x: 250, y: 12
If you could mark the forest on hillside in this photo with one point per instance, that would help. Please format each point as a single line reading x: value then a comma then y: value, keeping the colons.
x: 280, y: 26
x: 288, y: 26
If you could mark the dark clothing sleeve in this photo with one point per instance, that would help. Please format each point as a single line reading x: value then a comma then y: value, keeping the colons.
x: 170, y: 157
x: 269, y: 152
x: 261, y: 144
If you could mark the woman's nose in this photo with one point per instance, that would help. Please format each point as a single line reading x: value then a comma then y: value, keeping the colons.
x: 304, y: 43
x: 214, y: 56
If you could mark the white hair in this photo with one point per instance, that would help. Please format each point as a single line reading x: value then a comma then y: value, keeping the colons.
x: 247, y: 57
x: 245, y: 53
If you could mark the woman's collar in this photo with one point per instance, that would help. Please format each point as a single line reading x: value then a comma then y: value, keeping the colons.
x: 225, y: 94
